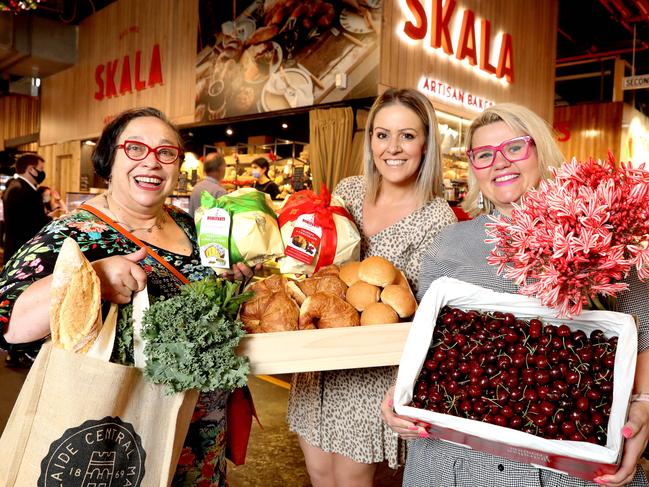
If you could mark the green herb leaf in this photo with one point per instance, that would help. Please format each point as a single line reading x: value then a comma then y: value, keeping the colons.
x: 190, y: 339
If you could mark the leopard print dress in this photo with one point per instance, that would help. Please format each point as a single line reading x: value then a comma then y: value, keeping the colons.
x: 339, y: 411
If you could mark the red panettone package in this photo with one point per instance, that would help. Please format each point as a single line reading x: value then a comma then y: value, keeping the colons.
x: 317, y: 231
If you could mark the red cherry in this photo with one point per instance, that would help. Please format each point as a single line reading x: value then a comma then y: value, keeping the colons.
x: 568, y: 427
x: 535, y: 328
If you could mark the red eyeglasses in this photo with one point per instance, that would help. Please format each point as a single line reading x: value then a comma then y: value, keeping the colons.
x: 137, y: 151
x: 513, y: 150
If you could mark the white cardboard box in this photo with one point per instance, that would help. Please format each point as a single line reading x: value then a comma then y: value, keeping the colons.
x: 580, y: 459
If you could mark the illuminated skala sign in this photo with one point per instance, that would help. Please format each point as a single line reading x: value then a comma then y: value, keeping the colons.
x: 453, y: 95
x: 439, y: 33
x: 105, y: 75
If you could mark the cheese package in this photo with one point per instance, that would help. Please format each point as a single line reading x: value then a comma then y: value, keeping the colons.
x: 238, y: 227
x: 317, y: 231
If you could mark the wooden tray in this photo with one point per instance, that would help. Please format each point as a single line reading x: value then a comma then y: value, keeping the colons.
x: 327, y: 349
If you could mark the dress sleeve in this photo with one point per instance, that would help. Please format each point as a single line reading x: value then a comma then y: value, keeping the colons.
x: 343, y: 190
x: 429, y: 270
x: 635, y: 301
x: 443, y: 217
x: 35, y: 260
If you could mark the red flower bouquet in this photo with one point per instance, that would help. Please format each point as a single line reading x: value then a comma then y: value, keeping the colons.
x: 576, y: 236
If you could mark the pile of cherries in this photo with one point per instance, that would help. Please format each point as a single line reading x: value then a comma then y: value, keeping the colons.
x: 539, y: 378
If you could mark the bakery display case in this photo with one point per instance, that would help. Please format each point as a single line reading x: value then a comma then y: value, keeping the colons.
x: 455, y: 163
x: 288, y: 164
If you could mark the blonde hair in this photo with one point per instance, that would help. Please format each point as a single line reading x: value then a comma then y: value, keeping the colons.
x: 429, y: 184
x: 521, y: 120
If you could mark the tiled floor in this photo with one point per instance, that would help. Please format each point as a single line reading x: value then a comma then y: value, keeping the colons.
x: 274, y: 457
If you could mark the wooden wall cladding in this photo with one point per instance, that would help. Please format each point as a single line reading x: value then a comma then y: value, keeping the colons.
x: 589, y: 130
x: 70, y: 109
x: 62, y: 166
x: 18, y: 118
x: 533, y: 29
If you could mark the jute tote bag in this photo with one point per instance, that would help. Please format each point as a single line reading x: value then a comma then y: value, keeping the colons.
x: 80, y: 420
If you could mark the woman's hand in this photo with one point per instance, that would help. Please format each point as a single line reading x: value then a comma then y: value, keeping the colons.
x: 636, y: 432
x: 241, y: 272
x: 406, y: 428
x: 121, y: 276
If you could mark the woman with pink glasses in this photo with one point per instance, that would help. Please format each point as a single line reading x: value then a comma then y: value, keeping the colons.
x: 510, y: 151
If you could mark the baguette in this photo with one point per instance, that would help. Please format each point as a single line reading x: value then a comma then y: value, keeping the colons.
x: 75, y: 300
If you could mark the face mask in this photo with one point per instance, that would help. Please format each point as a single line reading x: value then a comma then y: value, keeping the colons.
x: 40, y: 176
x: 255, y: 174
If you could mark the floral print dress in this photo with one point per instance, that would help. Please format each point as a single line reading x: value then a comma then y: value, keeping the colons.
x: 202, y: 462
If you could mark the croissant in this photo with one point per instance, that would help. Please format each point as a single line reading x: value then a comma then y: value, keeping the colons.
x: 281, y: 314
x: 327, y: 284
x: 325, y: 310
x: 252, y: 310
x: 329, y: 270
x: 271, y: 284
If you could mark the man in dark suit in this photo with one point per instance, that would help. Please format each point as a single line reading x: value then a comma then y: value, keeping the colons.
x: 24, y: 215
x: 24, y: 212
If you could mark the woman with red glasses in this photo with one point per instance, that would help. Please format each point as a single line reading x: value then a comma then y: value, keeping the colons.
x: 139, y: 153
x: 510, y: 151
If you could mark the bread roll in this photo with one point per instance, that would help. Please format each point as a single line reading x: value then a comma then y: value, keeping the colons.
x: 361, y: 294
x: 324, y: 310
x: 402, y: 281
x: 328, y: 284
x: 377, y: 270
x: 400, y: 299
x: 349, y: 272
x: 378, y: 313
x: 75, y: 303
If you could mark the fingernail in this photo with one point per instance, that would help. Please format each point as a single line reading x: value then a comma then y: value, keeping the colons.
x: 627, y: 432
x: 423, y: 434
x: 597, y: 480
x: 390, y: 402
x: 413, y: 428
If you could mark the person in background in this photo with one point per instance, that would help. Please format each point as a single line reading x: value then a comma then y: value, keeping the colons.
x: 260, y: 172
x: 214, y: 171
x: 54, y: 205
x: 398, y: 207
x: 23, y: 206
x: 510, y: 150
x: 139, y: 153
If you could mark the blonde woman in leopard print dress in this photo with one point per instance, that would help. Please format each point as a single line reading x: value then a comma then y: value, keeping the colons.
x: 398, y: 208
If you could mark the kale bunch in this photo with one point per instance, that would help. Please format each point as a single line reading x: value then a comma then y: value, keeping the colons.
x: 190, y: 339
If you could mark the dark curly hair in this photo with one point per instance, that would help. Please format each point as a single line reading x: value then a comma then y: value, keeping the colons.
x: 104, y: 154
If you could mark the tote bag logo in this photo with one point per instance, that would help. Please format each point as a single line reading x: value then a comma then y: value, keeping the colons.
x: 99, y: 453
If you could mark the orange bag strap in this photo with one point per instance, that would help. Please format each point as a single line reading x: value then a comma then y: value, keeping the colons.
x: 106, y: 219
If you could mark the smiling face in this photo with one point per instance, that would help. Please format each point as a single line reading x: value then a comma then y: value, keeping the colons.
x: 504, y: 182
x: 141, y: 185
x: 398, y: 143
